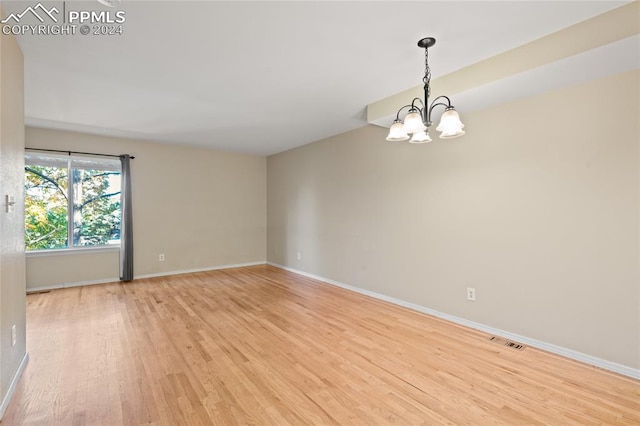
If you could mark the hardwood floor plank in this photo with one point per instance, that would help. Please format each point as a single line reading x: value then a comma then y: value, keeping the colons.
x: 259, y: 345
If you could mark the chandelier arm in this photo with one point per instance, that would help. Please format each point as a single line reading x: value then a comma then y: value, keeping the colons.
x: 400, y: 110
x: 422, y: 104
x: 435, y: 103
x: 443, y: 97
x: 422, y: 108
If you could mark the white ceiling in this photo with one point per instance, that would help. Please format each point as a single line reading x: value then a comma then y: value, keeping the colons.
x: 263, y: 77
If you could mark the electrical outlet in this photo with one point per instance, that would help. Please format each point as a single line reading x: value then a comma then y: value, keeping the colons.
x: 14, y: 336
x: 471, y: 294
x: 299, y: 256
x: 161, y: 257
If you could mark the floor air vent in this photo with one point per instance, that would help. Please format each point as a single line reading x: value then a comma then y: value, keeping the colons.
x: 507, y: 343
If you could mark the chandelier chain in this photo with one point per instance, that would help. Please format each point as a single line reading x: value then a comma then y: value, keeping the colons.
x: 427, y: 75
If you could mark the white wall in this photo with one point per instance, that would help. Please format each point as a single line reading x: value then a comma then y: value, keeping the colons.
x: 12, y: 278
x: 537, y: 207
x: 201, y: 208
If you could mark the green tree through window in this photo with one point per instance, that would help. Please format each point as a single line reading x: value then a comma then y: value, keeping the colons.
x: 71, y: 201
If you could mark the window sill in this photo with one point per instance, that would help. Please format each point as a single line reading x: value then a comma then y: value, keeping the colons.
x: 71, y: 251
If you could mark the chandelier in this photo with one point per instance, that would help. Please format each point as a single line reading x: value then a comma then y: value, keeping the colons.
x: 418, y: 118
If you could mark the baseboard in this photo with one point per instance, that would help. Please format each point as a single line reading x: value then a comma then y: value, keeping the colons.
x: 190, y: 271
x: 69, y: 285
x: 137, y: 277
x: 559, y: 350
x: 14, y: 383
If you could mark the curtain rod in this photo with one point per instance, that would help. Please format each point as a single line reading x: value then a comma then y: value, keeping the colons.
x: 74, y: 152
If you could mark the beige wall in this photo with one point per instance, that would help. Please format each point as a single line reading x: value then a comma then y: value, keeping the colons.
x: 537, y: 207
x: 201, y: 208
x: 12, y: 278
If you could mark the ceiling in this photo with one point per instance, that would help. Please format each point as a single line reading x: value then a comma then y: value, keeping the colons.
x: 262, y: 77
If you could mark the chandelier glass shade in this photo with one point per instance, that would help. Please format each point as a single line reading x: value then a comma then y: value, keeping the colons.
x: 417, y: 120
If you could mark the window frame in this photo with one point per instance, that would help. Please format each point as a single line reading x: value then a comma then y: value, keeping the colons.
x: 72, y: 162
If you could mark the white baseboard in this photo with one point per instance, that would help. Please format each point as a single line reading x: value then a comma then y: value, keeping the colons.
x: 69, y: 285
x: 210, y: 268
x: 14, y: 383
x: 559, y: 350
x: 160, y: 274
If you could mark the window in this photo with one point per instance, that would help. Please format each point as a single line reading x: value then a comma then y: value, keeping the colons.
x: 71, y: 201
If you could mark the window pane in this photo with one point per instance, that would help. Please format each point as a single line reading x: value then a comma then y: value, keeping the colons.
x: 45, y: 207
x: 96, y: 204
x: 90, y: 218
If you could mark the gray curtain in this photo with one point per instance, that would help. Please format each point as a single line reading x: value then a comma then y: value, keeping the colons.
x: 126, y: 222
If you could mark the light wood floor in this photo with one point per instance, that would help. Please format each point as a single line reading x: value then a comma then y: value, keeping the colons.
x: 259, y: 345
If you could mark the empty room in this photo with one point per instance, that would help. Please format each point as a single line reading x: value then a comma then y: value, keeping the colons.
x: 319, y: 212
